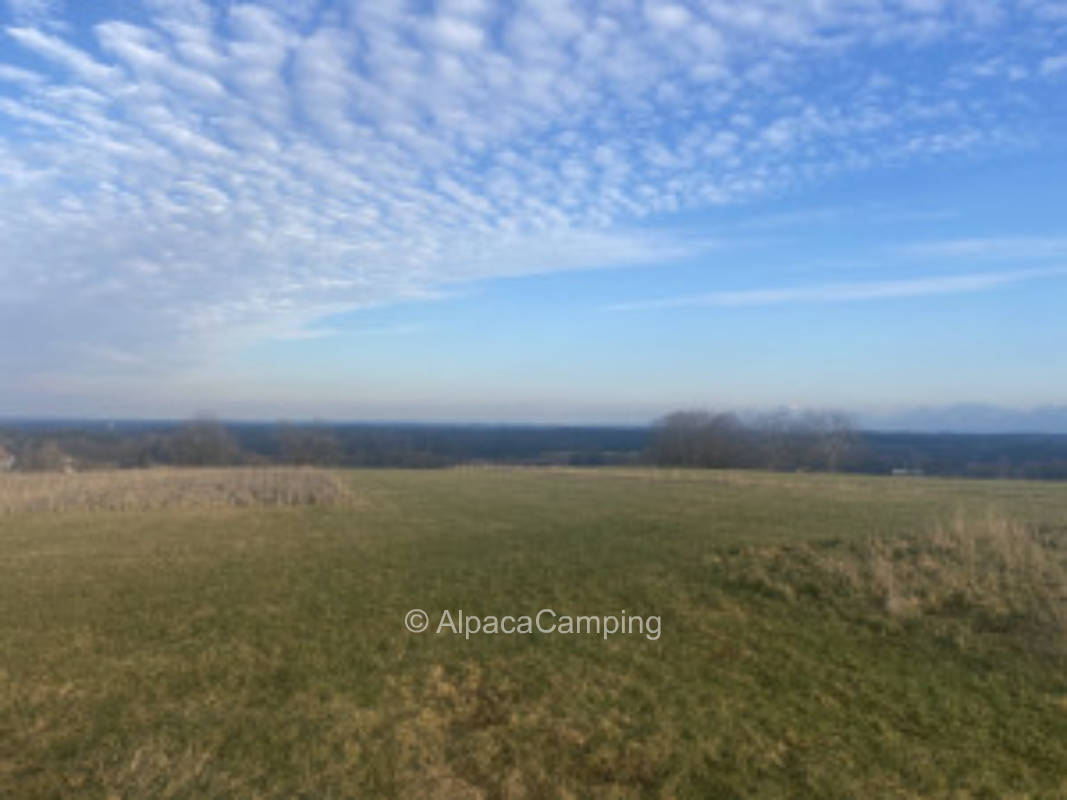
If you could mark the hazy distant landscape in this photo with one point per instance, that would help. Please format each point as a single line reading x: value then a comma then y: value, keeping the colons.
x: 767, y: 441
x: 533, y: 400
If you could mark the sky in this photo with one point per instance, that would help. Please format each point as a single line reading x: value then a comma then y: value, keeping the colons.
x: 538, y: 210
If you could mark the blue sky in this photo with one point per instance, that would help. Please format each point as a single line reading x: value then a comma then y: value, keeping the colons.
x: 535, y: 211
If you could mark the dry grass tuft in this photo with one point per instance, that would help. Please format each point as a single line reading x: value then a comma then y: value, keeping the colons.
x: 993, y: 566
x: 152, y: 489
x: 998, y: 572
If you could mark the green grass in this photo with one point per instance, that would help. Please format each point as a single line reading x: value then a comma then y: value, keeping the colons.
x: 260, y: 652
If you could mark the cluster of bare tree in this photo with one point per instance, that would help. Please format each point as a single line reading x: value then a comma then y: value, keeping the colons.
x: 201, y: 442
x: 308, y: 444
x: 207, y: 442
x: 42, y: 456
x: 781, y: 440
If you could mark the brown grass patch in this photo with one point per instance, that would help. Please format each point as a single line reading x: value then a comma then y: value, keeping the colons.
x: 996, y: 566
x: 997, y: 571
x: 151, y: 489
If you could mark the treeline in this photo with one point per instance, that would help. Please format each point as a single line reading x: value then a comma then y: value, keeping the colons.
x: 781, y: 440
x: 1019, y: 455
x: 88, y: 445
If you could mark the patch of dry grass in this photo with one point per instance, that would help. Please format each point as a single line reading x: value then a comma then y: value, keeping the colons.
x: 988, y: 568
x: 171, y: 488
x: 993, y: 565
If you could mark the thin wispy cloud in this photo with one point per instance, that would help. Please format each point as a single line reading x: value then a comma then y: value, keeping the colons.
x: 178, y: 177
x: 1015, y: 248
x: 323, y: 333
x: 849, y: 292
x: 1054, y: 64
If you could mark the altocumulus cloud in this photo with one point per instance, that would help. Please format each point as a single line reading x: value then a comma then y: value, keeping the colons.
x: 193, y: 176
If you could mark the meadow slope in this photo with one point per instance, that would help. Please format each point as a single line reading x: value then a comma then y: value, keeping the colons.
x: 822, y: 636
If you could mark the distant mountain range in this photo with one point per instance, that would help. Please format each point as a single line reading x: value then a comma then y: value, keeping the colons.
x: 969, y: 418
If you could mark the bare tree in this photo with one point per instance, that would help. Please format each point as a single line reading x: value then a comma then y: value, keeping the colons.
x: 313, y: 444
x: 700, y: 439
x: 776, y: 440
x: 837, y: 438
x: 42, y: 456
x: 777, y: 444
x: 204, y: 442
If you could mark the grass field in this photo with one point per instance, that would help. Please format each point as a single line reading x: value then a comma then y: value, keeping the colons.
x: 822, y: 636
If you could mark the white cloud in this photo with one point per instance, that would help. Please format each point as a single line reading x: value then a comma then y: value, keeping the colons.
x: 220, y: 170
x: 33, y: 11
x: 55, y: 49
x: 1053, y: 64
x: 144, y: 52
x: 457, y: 33
x: 18, y: 75
x: 668, y: 16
